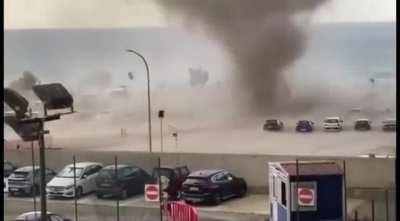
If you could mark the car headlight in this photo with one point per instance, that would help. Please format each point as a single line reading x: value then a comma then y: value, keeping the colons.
x: 69, y: 187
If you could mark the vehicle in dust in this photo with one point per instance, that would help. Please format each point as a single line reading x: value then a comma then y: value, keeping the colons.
x: 305, y: 126
x: 333, y: 124
x: 8, y: 168
x: 172, y: 179
x: 26, y: 180
x: 362, y: 125
x: 35, y: 216
x: 213, y: 186
x: 62, y: 185
x: 389, y: 125
x: 273, y: 124
x: 122, y: 181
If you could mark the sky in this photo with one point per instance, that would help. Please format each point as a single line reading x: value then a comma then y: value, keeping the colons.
x: 39, y: 14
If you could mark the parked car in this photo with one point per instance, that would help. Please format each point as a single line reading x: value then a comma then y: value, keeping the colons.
x: 212, y: 186
x: 171, y: 179
x: 131, y: 180
x: 305, y: 126
x: 362, y: 124
x: 273, y: 124
x: 35, y: 216
x: 26, y: 180
x: 389, y: 125
x: 62, y: 185
x: 333, y: 124
x: 8, y: 168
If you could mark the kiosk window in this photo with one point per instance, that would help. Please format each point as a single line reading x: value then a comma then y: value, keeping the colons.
x: 283, y: 193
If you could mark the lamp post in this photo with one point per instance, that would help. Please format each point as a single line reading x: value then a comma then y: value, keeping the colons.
x: 148, y: 92
x: 54, y: 96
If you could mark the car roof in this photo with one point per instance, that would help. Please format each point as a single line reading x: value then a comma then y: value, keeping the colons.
x: 119, y: 166
x: 332, y: 118
x: 84, y: 164
x: 26, y: 169
x: 170, y: 167
x: 22, y: 216
x: 206, y: 173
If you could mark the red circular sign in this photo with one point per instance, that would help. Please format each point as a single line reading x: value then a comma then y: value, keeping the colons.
x: 306, y: 196
x: 151, y: 192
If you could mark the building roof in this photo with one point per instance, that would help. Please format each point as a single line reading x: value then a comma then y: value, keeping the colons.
x: 312, y: 168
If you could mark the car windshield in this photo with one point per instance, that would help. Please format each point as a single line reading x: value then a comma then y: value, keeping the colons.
x: 162, y: 172
x: 331, y: 121
x: 272, y: 121
x: 303, y: 122
x: 21, y: 174
x: 196, y: 180
x: 110, y: 173
x: 68, y: 172
x: 362, y: 122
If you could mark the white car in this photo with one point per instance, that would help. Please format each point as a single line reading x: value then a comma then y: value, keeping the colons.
x: 333, y: 124
x: 62, y: 185
x: 35, y: 216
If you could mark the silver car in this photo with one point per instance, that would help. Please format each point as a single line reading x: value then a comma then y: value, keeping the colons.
x: 26, y: 180
x: 35, y: 216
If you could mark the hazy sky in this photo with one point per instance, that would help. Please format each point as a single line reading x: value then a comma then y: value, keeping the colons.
x: 22, y: 14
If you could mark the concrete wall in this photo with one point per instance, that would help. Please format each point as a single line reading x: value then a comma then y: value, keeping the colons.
x: 361, y: 172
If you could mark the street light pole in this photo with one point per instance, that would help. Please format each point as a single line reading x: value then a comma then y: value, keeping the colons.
x: 148, y: 93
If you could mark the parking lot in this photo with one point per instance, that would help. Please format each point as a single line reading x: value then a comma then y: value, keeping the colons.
x: 251, y: 208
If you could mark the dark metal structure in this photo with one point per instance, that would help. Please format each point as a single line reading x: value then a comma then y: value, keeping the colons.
x: 53, y: 96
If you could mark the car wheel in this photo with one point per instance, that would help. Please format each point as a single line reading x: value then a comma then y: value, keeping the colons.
x: 124, y: 194
x: 99, y: 196
x: 34, y: 190
x: 78, y: 193
x: 242, y: 192
x: 217, y: 199
x: 178, y: 195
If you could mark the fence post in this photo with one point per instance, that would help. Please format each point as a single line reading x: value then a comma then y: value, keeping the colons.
x: 345, y: 190
x: 75, y: 190
x: 160, y: 190
x: 387, y: 204
x: 373, y: 210
x: 33, y: 180
x: 116, y: 178
x: 356, y: 215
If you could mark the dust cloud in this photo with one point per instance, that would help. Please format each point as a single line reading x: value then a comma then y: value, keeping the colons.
x: 262, y: 39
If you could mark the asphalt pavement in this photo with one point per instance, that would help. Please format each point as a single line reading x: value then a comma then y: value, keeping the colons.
x: 249, y: 208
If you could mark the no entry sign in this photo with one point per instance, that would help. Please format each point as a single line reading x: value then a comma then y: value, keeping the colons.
x: 306, y: 197
x: 151, y: 193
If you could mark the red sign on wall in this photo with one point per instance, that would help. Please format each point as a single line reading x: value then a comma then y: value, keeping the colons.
x: 151, y: 192
x: 306, y: 197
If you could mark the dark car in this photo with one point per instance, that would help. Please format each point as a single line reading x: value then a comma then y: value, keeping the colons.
x: 304, y: 126
x: 273, y: 124
x: 131, y: 180
x: 389, y: 125
x: 26, y: 180
x: 171, y: 179
x: 362, y: 124
x: 212, y: 186
x: 8, y: 168
x: 35, y: 216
